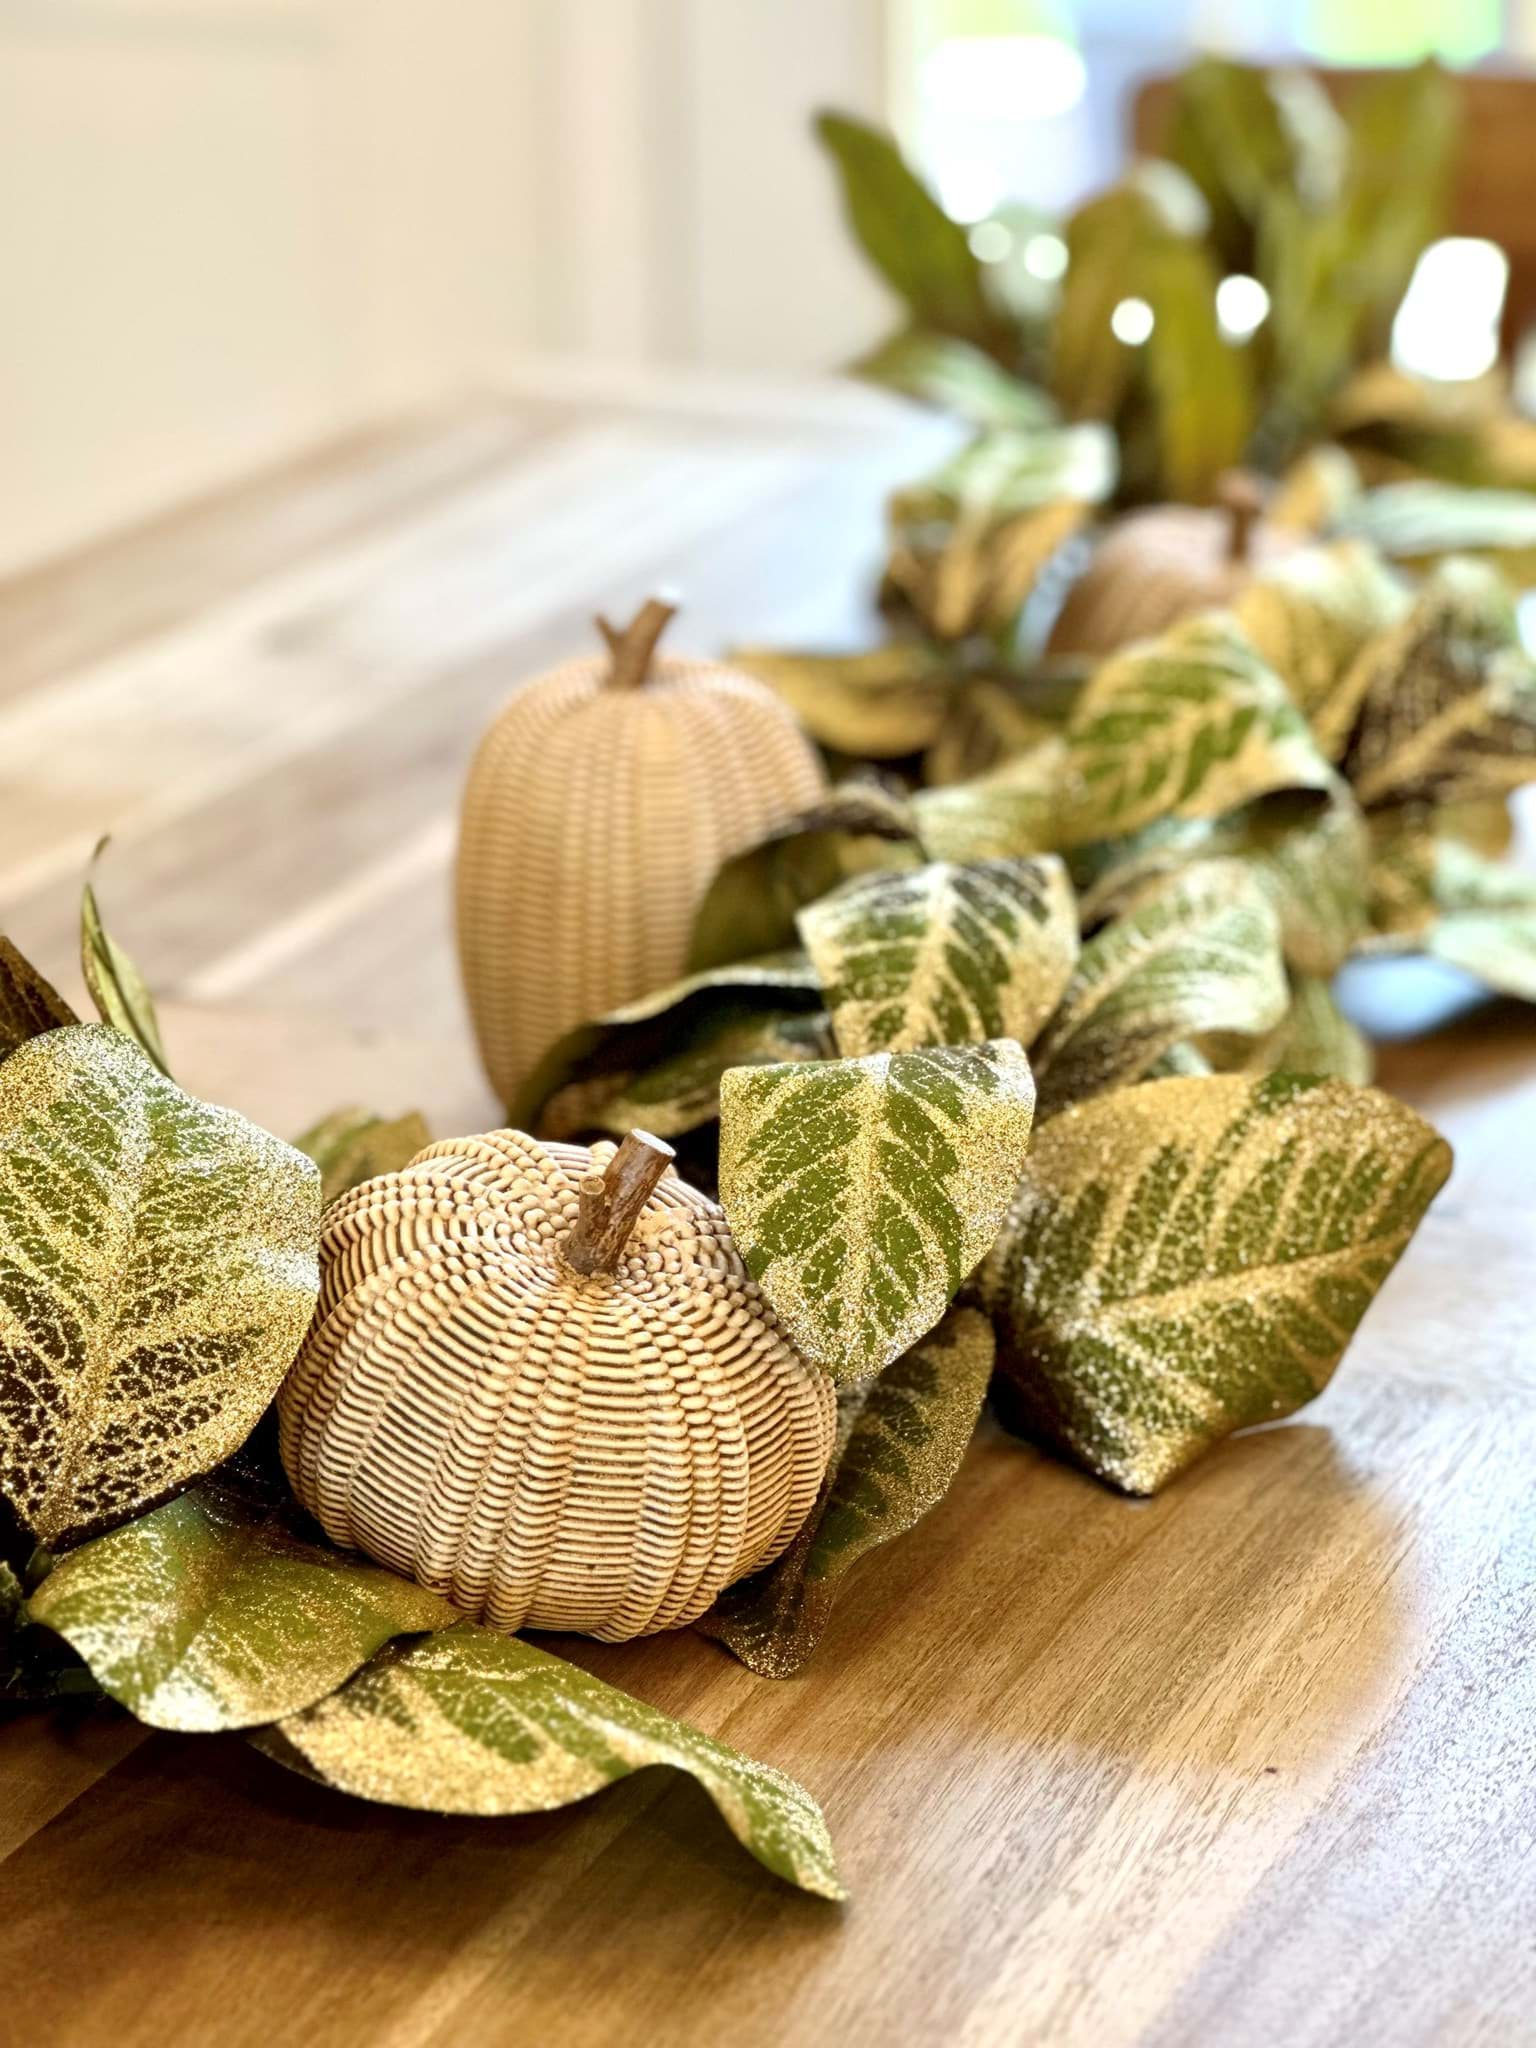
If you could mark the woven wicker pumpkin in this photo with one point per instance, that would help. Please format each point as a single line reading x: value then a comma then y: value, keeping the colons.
x: 1156, y: 567
x: 551, y: 1394
x: 600, y: 805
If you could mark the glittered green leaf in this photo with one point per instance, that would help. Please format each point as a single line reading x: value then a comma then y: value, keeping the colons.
x: 901, y: 1440
x: 1188, y: 1258
x: 1199, y: 953
x: 876, y: 707
x: 1421, y: 521
x: 352, y: 1145
x: 1010, y: 811
x: 1448, y: 698
x: 1311, y: 860
x: 224, y: 1609
x: 472, y: 1722
x: 862, y: 1192
x: 1310, y: 617
x: 1498, y: 946
x: 1313, y: 1037
x: 1189, y: 725
x: 603, y: 1057
x: 158, y: 1269
x: 29, y: 1005
x: 751, y: 905
x: 943, y: 955
x: 1483, y: 919
x: 1313, y: 864
x: 116, y: 986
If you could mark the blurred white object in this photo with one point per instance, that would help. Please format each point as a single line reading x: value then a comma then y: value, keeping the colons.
x: 1132, y: 322
x: 1448, y: 324
x: 1242, y: 306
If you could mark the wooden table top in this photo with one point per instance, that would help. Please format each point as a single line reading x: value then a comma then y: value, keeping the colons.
x: 1252, y: 1762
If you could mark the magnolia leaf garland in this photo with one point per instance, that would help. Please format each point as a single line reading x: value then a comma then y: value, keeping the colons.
x: 862, y: 1192
x: 943, y: 954
x: 1189, y: 725
x: 902, y: 1437
x: 352, y: 1145
x: 1190, y: 1257
x: 158, y: 1268
x: 1200, y: 953
x: 117, y: 988
x: 219, y: 1611
x: 471, y: 1722
x: 29, y: 1005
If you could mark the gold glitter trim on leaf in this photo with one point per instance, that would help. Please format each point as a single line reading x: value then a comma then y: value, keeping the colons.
x: 902, y: 1439
x: 473, y: 1722
x: 218, y: 1611
x: 1191, y: 1257
x: 943, y: 955
x: 861, y: 1193
x: 158, y: 1268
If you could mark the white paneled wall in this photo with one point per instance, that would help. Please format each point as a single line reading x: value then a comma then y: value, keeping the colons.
x: 231, y: 228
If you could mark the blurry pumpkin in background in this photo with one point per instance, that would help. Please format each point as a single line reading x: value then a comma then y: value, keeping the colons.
x: 1156, y: 566
x: 600, y: 804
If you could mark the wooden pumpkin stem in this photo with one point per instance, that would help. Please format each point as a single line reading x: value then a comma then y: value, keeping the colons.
x: 610, y: 1203
x: 1238, y: 495
x: 632, y: 649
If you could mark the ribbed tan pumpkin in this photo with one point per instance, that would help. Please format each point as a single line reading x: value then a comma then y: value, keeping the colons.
x: 550, y: 1393
x: 1157, y: 566
x: 600, y: 804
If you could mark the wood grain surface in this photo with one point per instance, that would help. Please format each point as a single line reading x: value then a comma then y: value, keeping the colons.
x: 1252, y: 1763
